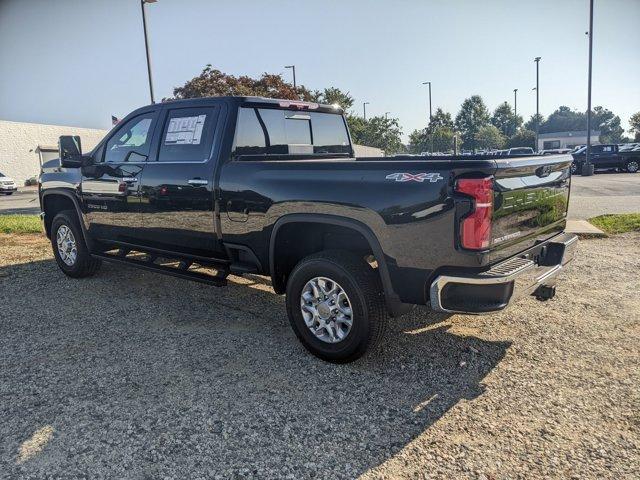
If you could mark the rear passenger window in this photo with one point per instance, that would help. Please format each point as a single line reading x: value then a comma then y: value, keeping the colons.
x: 188, y: 135
x: 264, y: 131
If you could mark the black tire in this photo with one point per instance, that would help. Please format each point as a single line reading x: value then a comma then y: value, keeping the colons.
x: 8, y: 193
x: 632, y: 166
x: 84, y: 265
x: 574, y: 169
x: 362, y: 285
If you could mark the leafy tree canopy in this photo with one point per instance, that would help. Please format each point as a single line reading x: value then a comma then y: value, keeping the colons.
x: 522, y: 138
x: 488, y: 136
x: 421, y: 140
x: 504, y: 119
x: 334, y: 96
x: 472, y: 116
x: 213, y: 83
x: 634, y: 121
x: 379, y: 132
x: 440, y: 120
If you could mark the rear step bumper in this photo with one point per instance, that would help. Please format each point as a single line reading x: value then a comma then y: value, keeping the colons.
x: 494, y: 289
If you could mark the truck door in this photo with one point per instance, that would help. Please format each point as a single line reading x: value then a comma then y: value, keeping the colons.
x: 110, y: 188
x: 177, y: 191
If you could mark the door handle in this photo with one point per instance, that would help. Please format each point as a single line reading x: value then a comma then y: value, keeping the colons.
x: 197, y: 181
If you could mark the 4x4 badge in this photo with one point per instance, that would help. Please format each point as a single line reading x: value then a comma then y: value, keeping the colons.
x: 414, y: 177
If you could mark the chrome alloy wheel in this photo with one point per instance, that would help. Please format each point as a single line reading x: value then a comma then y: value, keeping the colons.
x: 326, y: 309
x: 67, y: 247
x: 632, y: 166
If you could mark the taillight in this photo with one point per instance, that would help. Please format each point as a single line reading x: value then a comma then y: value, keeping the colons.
x: 475, y: 230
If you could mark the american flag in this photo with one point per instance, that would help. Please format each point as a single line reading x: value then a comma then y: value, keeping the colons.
x: 114, y: 120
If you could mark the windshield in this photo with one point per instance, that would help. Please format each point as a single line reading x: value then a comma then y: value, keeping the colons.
x: 2, y: 174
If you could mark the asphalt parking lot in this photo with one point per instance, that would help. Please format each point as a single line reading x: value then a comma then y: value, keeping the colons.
x: 590, y: 196
x: 134, y: 375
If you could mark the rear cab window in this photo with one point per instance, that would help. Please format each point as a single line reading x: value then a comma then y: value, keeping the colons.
x: 264, y: 133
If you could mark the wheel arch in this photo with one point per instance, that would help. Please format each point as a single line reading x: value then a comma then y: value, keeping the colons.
x: 394, y: 306
x: 56, y: 200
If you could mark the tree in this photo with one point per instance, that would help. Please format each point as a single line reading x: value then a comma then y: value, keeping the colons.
x: 564, y: 119
x: 634, y: 122
x: 522, y: 138
x: 440, y: 119
x: 531, y: 123
x: 472, y: 116
x: 609, y: 125
x: 379, y: 132
x: 335, y: 96
x: 213, y: 83
x: 488, y: 136
x: 504, y: 119
x: 421, y: 140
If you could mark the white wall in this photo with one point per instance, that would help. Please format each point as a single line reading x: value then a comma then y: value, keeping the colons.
x: 18, y: 143
x: 364, y: 151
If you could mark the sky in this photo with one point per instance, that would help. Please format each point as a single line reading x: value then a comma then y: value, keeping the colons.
x: 77, y: 62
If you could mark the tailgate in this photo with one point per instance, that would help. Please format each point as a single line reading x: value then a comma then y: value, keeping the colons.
x: 531, y: 198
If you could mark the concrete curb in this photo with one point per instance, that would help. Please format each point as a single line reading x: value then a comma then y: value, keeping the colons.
x: 584, y: 229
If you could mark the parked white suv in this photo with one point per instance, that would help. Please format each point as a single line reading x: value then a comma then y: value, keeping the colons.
x: 7, y: 184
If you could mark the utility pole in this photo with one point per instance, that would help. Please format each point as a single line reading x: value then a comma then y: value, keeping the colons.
x: 515, y: 110
x: 364, y: 108
x: 146, y: 45
x: 293, y: 67
x: 537, y: 60
x: 587, y: 168
x: 386, y: 115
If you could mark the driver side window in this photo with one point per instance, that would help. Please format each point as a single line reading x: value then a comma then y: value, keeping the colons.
x: 133, y: 136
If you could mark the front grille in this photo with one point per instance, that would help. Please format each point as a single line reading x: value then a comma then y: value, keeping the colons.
x: 509, y: 267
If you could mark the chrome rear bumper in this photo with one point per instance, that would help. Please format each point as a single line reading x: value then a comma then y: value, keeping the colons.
x: 494, y: 289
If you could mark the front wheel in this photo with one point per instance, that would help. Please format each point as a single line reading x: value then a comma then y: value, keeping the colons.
x: 575, y: 168
x: 335, y: 304
x: 632, y: 166
x: 69, y: 247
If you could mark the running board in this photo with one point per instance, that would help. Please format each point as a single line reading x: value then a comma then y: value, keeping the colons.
x: 181, y: 271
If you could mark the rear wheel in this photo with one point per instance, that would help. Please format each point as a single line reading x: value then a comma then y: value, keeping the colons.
x: 69, y: 247
x: 335, y: 305
x: 632, y: 166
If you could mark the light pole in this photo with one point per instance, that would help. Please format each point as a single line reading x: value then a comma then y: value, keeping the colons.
x: 364, y: 109
x: 515, y: 110
x: 587, y: 168
x: 146, y: 45
x: 430, y: 116
x: 293, y: 67
x: 537, y: 60
x: 429, y: 83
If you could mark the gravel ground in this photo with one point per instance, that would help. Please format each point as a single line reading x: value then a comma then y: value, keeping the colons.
x: 136, y: 375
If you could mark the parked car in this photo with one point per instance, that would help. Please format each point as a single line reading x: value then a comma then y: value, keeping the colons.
x: 629, y: 147
x: 607, y: 157
x: 7, y: 185
x: 240, y: 185
x: 521, y: 151
x: 555, y: 151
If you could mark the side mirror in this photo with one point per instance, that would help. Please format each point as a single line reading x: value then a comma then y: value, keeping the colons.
x: 70, y: 150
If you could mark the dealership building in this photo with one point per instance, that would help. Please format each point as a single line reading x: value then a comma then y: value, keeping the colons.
x: 547, y: 141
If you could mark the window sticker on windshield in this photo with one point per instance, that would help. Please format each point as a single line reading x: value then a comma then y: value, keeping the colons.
x: 185, y: 130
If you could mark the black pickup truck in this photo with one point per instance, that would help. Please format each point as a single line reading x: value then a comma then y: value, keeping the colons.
x: 208, y: 187
x: 607, y: 157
